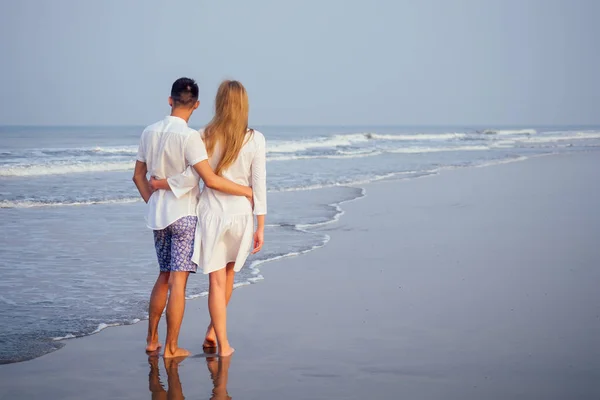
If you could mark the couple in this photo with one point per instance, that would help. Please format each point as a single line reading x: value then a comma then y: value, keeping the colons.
x: 213, y: 230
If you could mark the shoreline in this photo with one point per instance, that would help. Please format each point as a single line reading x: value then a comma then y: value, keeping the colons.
x: 310, y: 228
x: 492, y: 312
x: 305, y: 228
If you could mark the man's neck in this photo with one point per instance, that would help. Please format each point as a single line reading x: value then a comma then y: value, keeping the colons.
x: 183, y: 114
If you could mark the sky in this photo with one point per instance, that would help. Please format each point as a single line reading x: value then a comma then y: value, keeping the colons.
x: 310, y: 62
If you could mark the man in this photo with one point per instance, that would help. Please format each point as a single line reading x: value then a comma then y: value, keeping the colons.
x: 166, y: 149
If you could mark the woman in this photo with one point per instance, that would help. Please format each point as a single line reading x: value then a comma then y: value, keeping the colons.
x: 224, y: 234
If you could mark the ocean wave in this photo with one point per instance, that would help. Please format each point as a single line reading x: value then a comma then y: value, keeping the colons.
x: 67, y: 336
x: 125, y: 150
x: 7, y: 301
x: 293, y: 146
x: 372, y: 153
x: 101, y: 326
x: 508, y: 132
x: 70, y: 152
x: 417, y: 136
x: 338, y: 155
x: 411, y: 150
x: 559, y: 138
x: 354, y: 138
x: 355, y: 182
x: 42, y: 203
x: 64, y: 168
x: 75, y: 167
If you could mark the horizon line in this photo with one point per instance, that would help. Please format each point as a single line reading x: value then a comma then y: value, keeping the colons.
x: 476, y: 125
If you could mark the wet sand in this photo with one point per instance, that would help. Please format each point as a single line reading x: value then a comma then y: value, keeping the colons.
x: 476, y: 283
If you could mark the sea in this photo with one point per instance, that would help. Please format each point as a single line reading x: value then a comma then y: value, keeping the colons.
x: 77, y: 258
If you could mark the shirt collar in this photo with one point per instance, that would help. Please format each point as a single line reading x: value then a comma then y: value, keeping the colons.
x: 174, y: 119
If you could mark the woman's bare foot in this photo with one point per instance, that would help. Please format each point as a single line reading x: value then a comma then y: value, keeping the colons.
x: 210, y: 340
x: 177, y: 352
x: 226, y: 351
x: 152, y: 345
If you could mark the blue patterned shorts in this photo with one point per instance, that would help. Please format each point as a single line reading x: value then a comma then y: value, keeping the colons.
x: 175, y: 245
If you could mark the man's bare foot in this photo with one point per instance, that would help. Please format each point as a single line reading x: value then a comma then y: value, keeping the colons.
x: 226, y: 351
x: 177, y: 352
x: 152, y: 346
x: 172, y: 363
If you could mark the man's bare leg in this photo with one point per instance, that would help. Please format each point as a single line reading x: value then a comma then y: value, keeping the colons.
x: 210, y: 340
x: 158, y: 301
x: 156, y: 387
x: 175, y: 310
x: 217, y: 306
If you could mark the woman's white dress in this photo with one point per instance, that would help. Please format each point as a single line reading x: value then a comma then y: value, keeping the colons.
x: 225, y: 227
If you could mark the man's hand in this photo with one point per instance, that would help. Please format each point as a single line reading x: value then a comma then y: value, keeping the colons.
x: 251, y: 200
x: 259, y: 239
x: 140, y: 180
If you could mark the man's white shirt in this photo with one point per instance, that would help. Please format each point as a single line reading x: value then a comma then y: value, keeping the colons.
x: 168, y: 147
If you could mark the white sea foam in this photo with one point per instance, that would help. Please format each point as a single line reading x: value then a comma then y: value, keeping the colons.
x: 64, y: 168
x: 374, y: 178
x: 559, y: 138
x: 372, y: 153
x: 418, y: 136
x: 410, y: 150
x: 102, y: 326
x: 67, y: 336
x: 509, y: 132
x: 277, y: 146
x: 131, y: 150
x: 352, y: 139
x: 195, y: 296
x: 504, y: 144
x: 40, y: 203
x: 339, y: 155
x: 503, y: 161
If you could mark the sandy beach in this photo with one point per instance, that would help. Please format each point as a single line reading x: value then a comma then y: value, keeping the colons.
x: 477, y: 283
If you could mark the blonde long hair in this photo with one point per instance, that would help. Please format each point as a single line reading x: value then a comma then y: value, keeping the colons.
x: 229, y: 125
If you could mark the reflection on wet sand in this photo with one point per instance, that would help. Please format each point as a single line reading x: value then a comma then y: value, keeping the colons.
x: 219, y: 373
x: 218, y: 369
x: 174, y: 392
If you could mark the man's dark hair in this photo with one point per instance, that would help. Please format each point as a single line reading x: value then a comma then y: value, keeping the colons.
x: 184, y: 92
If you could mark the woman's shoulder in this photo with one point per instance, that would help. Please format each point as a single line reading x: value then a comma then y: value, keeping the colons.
x: 257, y: 136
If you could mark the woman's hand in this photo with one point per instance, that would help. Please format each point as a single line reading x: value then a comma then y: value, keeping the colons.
x: 152, y: 184
x: 259, y: 239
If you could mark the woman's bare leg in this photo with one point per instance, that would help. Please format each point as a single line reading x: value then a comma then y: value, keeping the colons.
x: 217, y: 306
x: 210, y: 341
